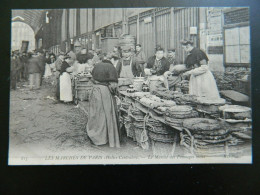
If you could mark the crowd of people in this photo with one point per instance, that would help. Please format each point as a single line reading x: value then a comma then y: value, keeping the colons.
x: 31, y: 67
x: 105, y: 69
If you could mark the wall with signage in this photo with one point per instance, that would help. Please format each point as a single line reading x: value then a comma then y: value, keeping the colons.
x: 237, y: 37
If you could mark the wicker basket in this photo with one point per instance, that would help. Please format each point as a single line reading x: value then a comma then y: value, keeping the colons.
x: 165, y: 138
x: 158, y: 129
x: 130, y: 131
x: 192, y: 114
x: 138, y: 131
x: 174, y: 122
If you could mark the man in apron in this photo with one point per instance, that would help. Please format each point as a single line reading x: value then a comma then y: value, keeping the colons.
x: 127, y: 68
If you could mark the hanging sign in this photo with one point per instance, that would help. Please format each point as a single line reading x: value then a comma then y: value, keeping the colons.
x: 193, y: 30
x: 148, y: 19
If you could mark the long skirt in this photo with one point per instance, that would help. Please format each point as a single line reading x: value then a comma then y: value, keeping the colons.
x: 204, y: 85
x: 103, y: 126
x: 65, y: 88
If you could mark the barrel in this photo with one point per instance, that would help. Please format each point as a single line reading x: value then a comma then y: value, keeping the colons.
x: 127, y: 41
x: 138, y: 84
x: 153, y: 84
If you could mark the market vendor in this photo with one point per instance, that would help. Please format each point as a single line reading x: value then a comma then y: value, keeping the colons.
x: 65, y: 81
x: 103, y: 123
x: 58, y: 64
x: 157, y: 64
x: 202, y: 82
x: 77, y: 48
x: 127, y: 67
x: 171, y: 57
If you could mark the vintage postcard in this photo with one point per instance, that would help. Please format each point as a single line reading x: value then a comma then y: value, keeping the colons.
x: 158, y: 85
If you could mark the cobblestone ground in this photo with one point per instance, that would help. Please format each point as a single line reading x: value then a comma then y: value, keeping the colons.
x: 41, y: 126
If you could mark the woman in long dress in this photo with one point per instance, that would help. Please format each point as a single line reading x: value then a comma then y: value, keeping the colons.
x: 65, y: 82
x: 202, y: 82
x: 47, y: 72
x: 103, y: 123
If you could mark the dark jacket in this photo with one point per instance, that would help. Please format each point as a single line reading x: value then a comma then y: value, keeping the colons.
x: 42, y: 61
x: 165, y: 65
x: 34, y: 65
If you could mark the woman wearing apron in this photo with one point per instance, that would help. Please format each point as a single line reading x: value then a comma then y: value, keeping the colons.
x: 202, y: 82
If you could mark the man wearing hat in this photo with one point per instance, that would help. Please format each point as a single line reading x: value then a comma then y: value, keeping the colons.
x: 77, y: 47
x: 140, y: 59
x: 158, y: 64
x: 127, y: 67
x: 34, y: 70
x: 171, y: 57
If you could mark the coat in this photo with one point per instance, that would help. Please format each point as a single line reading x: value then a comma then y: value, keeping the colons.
x: 165, y: 65
x: 34, y: 66
x: 42, y: 61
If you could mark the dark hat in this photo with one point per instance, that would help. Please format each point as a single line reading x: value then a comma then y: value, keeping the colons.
x: 139, y: 45
x: 171, y: 50
x: 186, y: 42
x: 159, y: 48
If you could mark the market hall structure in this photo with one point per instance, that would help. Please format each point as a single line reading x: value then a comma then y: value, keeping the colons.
x: 160, y: 81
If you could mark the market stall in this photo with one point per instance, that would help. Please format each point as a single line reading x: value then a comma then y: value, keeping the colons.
x: 163, y: 119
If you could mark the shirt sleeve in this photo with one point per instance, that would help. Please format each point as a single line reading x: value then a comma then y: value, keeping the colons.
x: 198, y: 71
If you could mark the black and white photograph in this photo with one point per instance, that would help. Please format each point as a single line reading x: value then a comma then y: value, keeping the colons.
x: 157, y: 85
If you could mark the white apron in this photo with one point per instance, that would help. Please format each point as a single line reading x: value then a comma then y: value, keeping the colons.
x: 202, y: 83
x: 126, y: 71
x: 47, y: 72
x: 65, y: 87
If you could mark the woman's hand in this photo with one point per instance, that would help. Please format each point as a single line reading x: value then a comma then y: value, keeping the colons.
x: 167, y: 74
